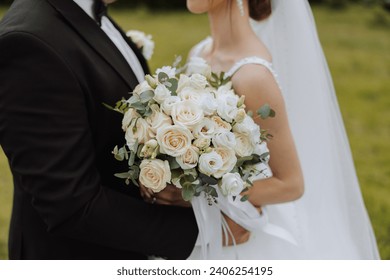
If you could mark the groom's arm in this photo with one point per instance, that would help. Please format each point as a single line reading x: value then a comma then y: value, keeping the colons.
x: 45, y: 132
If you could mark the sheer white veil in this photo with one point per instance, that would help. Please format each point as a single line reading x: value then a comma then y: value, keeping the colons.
x: 332, y: 222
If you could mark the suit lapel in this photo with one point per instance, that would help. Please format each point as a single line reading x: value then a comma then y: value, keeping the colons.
x: 96, y: 38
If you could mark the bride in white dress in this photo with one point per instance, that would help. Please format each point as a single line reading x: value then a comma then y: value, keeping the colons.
x: 278, y: 60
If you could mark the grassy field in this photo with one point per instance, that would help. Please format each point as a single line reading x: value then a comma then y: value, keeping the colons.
x: 357, y: 49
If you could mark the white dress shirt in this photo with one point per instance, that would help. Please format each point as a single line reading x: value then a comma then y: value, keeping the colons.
x: 116, y: 38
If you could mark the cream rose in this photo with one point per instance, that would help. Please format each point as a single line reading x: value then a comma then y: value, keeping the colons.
x: 174, y: 140
x: 189, y: 159
x: 138, y: 131
x: 221, y: 125
x: 210, y: 163
x: 155, y: 174
x: 187, y: 114
x: 202, y: 143
x: 161, y: 93
x: 229, y: 161
x: 232, y: 184
x: 244, y: 147
x: 157, y: 120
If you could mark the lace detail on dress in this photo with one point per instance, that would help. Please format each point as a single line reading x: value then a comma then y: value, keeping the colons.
x: 252, y: 60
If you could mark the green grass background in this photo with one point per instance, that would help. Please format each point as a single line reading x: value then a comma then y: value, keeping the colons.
x: 357, y: 47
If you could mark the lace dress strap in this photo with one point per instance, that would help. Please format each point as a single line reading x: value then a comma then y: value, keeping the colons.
x: 252, y: 60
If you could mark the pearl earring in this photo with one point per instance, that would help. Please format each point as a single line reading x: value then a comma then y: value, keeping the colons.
x: 240, y: 5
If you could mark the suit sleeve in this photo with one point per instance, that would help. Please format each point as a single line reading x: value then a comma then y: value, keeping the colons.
x: 45, y: 132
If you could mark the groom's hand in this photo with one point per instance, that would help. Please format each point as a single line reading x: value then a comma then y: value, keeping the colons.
x: 169, y: 196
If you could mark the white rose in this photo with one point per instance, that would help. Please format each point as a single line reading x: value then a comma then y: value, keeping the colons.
x: 174, y: 140
x: 168, y: 103
x: 155, y: 174
x: 161, y: 93
x: 128, y: 118
x: 209, y: 104
x: 210, y: 163
x: 202, y: 143
x: 244, y: 147
x: 221, y: 125
x: 232, y: 184
x: 149, y: 149
x: 142, y: 87
x: 157, y: 120
x: 205, y: 129
x: 198, y: 81
x: 198, y: 65
x: 224, y: 139
x: 227, y: 107
x: 189, y: 159
x: 225, y: 89
x: 171, y: 72
x: 137, y: 132
x: 187, y: 114
x: 229, y: 161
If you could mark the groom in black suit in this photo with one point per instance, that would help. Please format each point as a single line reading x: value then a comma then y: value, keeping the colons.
x: 57, y: 67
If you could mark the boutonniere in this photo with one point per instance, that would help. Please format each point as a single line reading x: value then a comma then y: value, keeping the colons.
x: 143, y: 41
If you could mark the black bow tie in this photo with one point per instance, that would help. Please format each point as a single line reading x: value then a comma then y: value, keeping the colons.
x: 100, y: 9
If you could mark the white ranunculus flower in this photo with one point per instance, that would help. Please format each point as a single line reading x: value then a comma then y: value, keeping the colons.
x: 161, y: 93
x: 221, y: 125
x: 189, y: 159
x: 244, y: 147
x: 198, y: 65
x: 210, y: 163
x: 248, y: 126
x: 191, y: 94
x: 187, y: 114
x: 232, y: 184
x: 227, y: 107
x: 168, y: 103
x: 224, y: 139
x: 202, y: 143
x: 171, y: 72
x: 205, y: 129
x: 142, y: 87
x: 209, y: 104
x: 198, y: 81
x: 155, y: 174
x: 174, y: 140
x: 229, y: 161
x: 137, y: 131
x: 128, y: 118
x: 157, y: 120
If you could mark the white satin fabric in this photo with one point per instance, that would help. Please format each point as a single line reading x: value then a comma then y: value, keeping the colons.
x: 330, y: 221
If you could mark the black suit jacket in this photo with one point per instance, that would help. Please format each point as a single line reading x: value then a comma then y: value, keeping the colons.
x: 57, y: 67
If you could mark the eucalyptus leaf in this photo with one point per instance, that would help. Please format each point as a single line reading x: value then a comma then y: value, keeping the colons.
x: 146, y: 96
x: 123, y: 175
x: 207, y: 180
x: 244, y: 198
x: 187, y: 193
x: 173, y: 163
x: 162, y: 77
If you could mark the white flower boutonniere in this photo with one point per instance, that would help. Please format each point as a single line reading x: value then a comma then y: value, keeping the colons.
x: 143, y: 41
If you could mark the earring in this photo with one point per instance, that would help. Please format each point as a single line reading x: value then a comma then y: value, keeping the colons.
x: 240, y: 5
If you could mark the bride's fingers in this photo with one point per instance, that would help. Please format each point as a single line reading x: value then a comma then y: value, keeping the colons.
x: 145, y: 192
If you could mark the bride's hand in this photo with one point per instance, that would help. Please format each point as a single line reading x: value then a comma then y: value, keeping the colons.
x: 241, y: 235
x: 169, y: 196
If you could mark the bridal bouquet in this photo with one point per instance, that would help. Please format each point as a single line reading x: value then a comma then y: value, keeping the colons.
x: 191, y: 130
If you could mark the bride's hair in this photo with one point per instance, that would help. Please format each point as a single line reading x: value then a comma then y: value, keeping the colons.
x: 259, y: 9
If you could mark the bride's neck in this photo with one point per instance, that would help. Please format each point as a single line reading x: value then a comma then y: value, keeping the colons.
x: 228, y: 29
